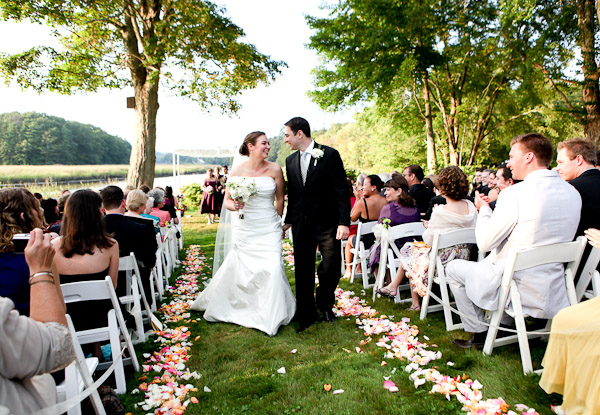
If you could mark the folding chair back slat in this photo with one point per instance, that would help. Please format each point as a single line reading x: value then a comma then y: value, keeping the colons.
x: 569, y: 253
x: 589, y: 274
x: 436, y: 273
x: 361, y: 253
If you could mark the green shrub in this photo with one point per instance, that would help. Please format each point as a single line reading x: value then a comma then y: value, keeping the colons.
x: 192, y: 195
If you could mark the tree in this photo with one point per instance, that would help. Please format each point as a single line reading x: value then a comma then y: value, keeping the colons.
x: 550, y: 35
x: 186, y: 45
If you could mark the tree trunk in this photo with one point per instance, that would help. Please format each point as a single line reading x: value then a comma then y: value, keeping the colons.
x: 143, y: 155
x: 431, y: 157
x: 590, y: 92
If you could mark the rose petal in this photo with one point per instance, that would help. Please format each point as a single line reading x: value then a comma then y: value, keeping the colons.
x: 281, y: 370
x: 338, y: 391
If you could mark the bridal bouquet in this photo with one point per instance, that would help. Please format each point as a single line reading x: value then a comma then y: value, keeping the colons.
x: 210, y: 190
x: 241, y: 188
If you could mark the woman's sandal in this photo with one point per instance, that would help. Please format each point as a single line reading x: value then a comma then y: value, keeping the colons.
x: 413, y: 308
x: 386, y: 292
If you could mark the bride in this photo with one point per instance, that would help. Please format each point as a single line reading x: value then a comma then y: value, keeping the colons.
x: 249, y: 287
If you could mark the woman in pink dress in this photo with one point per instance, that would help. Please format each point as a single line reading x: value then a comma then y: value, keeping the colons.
x: 210, y: 204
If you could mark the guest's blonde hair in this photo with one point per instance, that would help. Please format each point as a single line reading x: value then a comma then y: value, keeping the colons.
x: 135, y: 200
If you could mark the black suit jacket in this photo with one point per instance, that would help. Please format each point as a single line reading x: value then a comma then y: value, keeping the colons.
x: 588, y: 186
x: 133, y: 237
x: 323, y: 199
x: 422, y: 196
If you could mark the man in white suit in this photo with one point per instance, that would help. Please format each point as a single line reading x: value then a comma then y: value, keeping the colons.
x: 541, y: 210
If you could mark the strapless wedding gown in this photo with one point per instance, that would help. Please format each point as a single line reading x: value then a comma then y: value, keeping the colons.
x: 250, y: 287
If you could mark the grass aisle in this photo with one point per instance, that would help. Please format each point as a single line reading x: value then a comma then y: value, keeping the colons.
x: 240, y: 366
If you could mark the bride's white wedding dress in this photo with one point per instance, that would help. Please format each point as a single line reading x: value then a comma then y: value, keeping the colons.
x: 250, y: 287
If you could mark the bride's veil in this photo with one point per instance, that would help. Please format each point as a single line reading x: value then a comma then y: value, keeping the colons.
x: 223, y: 241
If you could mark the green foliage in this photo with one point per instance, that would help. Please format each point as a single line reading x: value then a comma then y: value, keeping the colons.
x: 34, y: 138
x: 192, y: 195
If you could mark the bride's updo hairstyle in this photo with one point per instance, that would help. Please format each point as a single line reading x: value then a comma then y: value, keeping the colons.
x: 250, y: 139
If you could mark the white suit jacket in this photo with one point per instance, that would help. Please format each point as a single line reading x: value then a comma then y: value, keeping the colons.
x: 541, y: 210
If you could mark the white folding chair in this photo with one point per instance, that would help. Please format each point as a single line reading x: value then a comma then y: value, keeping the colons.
x: 391, y: 253
x: 135, y: 293
x: 436, y: 273
x: 589, y: 274
x: 343, y: 243
x: 103, y: 290
x: 568, y: 253
x: 361, y: 253
x: 78, y: 375
x: 180, y: 229
x: 162, y: 259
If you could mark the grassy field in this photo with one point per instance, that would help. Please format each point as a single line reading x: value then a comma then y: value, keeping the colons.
x: 54, y: 173
x: 240, y: 365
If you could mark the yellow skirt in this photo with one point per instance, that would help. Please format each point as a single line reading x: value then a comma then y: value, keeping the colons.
x: 572, y: 359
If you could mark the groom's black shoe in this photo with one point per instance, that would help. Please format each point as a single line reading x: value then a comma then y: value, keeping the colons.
x: 328, y: 316
x: 304, y: 325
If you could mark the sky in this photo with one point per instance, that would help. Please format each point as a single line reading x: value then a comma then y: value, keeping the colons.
x: 276, y: 27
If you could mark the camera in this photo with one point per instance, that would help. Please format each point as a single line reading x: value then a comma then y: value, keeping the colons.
x: 20, y: 242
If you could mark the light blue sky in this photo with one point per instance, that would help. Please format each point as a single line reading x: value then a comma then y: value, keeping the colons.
x: 276, y: 27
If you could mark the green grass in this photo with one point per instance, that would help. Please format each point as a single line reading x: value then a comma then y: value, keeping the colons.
x: 240, y: 365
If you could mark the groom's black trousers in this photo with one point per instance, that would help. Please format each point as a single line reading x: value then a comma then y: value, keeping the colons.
x: 306, y: 240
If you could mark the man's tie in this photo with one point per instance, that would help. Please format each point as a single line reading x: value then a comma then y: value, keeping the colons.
x: 304, y: 161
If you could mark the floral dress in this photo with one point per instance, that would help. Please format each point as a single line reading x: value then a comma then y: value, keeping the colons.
x: 414, y: 256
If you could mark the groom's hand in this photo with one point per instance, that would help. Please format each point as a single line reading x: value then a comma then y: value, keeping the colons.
x: 286, y: 226
x: 342, y: 232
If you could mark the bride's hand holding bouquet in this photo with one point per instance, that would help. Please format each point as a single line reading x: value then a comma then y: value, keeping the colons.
x: 240, y: 189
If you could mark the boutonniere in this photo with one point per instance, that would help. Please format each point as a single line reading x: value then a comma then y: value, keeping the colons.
x: 317, y: 153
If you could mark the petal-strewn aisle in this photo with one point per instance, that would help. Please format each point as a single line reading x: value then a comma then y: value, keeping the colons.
x: 170, y: 387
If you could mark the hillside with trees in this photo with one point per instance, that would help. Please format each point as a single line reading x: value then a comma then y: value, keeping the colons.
x: 34, y: 138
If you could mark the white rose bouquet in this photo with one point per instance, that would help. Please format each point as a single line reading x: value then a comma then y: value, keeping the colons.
x: 210, y: 190
x: 241, y: 188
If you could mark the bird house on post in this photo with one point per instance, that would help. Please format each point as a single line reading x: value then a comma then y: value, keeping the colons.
x: 130, y: 102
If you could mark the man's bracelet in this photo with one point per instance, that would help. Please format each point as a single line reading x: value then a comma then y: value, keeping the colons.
x: 39, y: 274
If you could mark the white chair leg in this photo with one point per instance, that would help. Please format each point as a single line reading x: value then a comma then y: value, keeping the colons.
x: 115, y: 347
x: 521, y: 330
x: 72, y: 387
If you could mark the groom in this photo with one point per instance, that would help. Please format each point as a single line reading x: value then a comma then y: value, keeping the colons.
x: 319, y: 213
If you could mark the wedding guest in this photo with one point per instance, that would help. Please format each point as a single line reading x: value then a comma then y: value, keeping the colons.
x: 366, y: 209
x: 145, y: 188
x: 458, y: 212
x: 503, y: 180
x: 422, y: 195
x: 541, y: 210
x: 131, y: 235
x: 159, y: 201
x: 39, y: 197
x: 20, y: 212
x: 62, y: 201
x: 33, y: 347
x: 436, y: 200
x: 50, y: 207
x: 85, y: 251
x: 476, y: 185
x: 225, y: 170
x: 137, y: 204
x: 400, y: 209
x: 576, y: 161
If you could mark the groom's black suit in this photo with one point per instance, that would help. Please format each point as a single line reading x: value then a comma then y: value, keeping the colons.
x: 315, y: 210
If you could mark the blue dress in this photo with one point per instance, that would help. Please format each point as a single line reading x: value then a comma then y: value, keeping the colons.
x: 14, y: 281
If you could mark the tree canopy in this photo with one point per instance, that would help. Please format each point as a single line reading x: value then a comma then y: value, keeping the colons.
x: 34, y: 138
x: 188, y: 46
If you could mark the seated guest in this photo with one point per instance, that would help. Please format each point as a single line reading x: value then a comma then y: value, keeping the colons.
x: 458, y: 212
x: 503, y: 179
x: 571, y: 363
x: 366, y: 209
x: 131, y: 235
x: 485, y: 181
x: 136, y: 204
x: 159, y: 201
x: 400, y: 209
x: 542, y: 210
x: 476, y: 185
x: 20, y: 212
x: 422, y: 195
x: 145, y: 188
x: 50, y: 207
x: 85, y: 251
x: 62, y: 201
x: 436, y: 200
x: 576, y: 164
x: 33, y: 347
